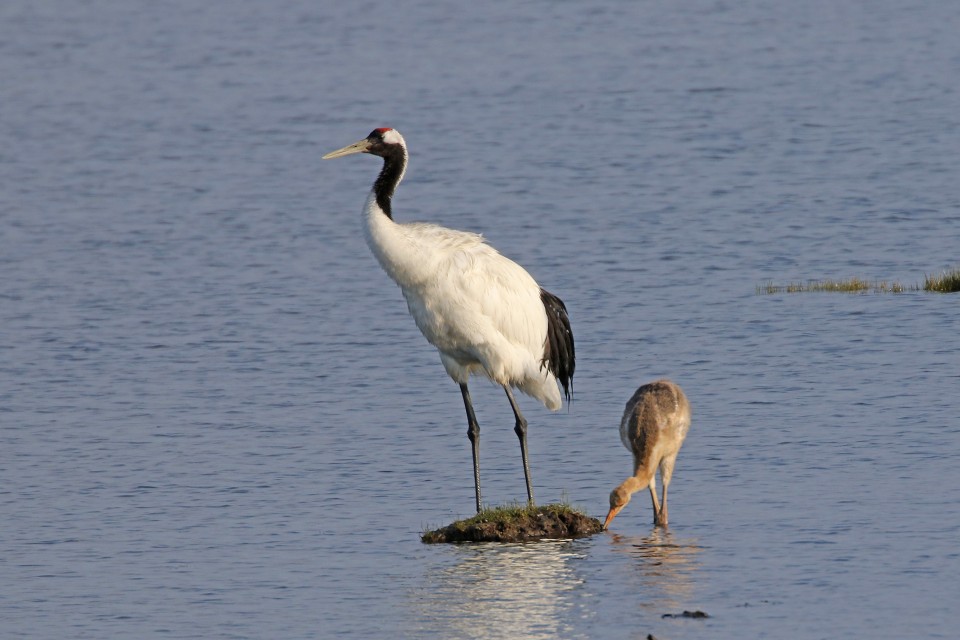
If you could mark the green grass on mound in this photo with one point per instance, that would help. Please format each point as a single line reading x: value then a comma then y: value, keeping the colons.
x: 518, y: 523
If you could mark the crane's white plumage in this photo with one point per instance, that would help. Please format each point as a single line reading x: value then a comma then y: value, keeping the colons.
x: 482, y: 311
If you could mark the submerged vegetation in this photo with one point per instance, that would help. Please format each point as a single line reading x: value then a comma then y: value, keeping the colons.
x: 946, y: 282
x: 518, y: 523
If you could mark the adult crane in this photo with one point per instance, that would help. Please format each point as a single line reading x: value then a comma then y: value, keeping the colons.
x: 482, y: 311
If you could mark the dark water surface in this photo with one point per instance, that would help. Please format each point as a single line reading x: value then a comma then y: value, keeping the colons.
x: 217, y: 420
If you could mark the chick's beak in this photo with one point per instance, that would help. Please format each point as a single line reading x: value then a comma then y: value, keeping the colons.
x: 349, y: 150
x: 610, y: 516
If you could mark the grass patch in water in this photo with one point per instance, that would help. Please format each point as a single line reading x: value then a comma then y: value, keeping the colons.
x: 851, y: 285
x: 518, y: 523
x: 946, y: 282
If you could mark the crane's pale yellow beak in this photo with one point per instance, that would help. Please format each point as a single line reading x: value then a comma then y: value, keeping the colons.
x: 349, y: 150
x: 610, y: 516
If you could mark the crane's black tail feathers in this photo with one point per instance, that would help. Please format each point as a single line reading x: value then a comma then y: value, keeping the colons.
x: 558, y: 351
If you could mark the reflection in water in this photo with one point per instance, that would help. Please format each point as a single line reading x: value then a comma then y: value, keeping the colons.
x: 502, y: 590
x: 546, y: 590
x: 666, y: 566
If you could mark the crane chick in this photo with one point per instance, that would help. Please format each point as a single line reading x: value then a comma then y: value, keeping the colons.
x: 654, y: 425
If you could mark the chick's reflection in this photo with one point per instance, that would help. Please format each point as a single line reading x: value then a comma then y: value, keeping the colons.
x: 666, y: 565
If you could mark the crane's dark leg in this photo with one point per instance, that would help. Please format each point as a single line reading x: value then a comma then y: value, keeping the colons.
x: 521, y: 430
x: 473, y: 432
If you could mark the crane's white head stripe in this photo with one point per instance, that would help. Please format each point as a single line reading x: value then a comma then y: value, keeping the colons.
x: 390, y: 136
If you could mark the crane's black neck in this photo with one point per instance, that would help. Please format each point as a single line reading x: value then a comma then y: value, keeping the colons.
x: 394, y: 164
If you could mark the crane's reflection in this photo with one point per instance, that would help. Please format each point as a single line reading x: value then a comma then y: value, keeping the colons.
x: 665, y: 564
x: 503, y: 590
x: 550, y: 589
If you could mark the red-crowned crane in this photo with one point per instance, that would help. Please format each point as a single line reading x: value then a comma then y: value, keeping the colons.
x: 483, y: 312
x: 654, y: 425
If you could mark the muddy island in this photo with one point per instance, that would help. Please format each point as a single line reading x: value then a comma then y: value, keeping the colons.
x: 518, y: 524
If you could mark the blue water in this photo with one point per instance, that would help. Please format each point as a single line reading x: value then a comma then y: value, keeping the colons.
x: 218, y: 421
